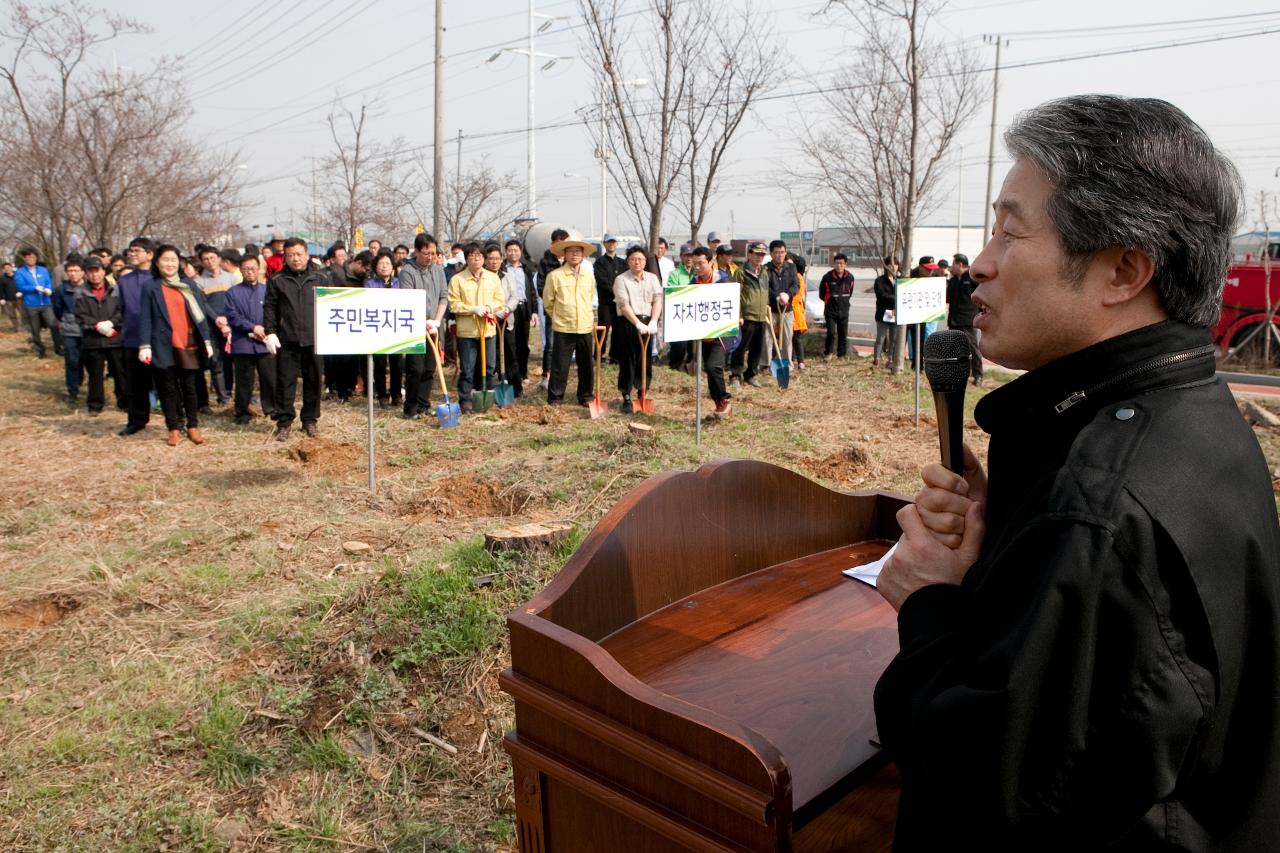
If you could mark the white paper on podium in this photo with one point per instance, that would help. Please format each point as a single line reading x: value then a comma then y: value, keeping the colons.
x: 870, y: 572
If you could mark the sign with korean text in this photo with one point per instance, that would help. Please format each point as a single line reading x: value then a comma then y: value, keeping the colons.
x: 920, y: 300
x: 378, y: 321
x: 695, y: 311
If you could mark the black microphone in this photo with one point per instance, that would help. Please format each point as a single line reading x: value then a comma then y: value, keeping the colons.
x: 946, y: 364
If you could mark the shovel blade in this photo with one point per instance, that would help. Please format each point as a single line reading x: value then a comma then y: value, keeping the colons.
x: 781, y: 369
x: 597, y: 408
x: 504, y: 395
x: 645, y: 404
x: 447, y: 414
x: 481, y: 400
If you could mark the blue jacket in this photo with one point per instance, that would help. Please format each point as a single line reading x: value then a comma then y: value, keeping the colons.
x: 156, y: 330
x: 243, y: 312
x: 28, y: 281
x: 130, y: 287
x: 377, y: 282
x: 64, y: 308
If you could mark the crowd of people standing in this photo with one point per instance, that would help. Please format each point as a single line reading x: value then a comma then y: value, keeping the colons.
x: 179, y: 332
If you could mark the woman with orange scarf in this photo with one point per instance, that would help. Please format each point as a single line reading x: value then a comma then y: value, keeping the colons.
x: 175, y: 342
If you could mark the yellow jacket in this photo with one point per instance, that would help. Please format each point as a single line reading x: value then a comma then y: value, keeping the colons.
x: 467, y: 292
x: 567, y: 299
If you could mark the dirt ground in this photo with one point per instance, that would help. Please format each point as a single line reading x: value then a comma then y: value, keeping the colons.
x: 237, y: 647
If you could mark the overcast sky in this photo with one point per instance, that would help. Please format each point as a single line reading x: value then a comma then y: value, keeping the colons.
x: 381, y: 50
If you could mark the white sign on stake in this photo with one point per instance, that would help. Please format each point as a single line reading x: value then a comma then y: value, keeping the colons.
x: 692, y: 312
x: 364, y: 321
x: 360, y: 320
x: 695, y: 312
x: 920, y: 300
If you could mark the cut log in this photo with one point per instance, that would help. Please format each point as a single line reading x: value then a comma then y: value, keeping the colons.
x: 640, y: 430
x: 527, y: 537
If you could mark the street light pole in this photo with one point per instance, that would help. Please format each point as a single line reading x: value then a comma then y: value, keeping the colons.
x: 603, y: 154
x: 531, y: 181
x: 530, y: 199
x: 437, y: 180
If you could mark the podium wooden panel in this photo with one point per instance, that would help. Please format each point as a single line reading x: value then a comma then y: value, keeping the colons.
x: 699, y: 674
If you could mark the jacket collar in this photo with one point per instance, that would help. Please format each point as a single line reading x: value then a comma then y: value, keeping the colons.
x: 1073, y: 388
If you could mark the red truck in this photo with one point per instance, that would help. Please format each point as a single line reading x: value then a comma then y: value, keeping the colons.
x: 1239, y: 332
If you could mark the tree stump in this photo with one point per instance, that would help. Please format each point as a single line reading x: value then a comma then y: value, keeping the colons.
x: 527, y: 537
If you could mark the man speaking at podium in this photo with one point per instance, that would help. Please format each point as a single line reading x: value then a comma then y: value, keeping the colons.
x: 1089, y: 632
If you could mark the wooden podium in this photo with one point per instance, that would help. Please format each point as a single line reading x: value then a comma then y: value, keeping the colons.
x: 699, y: 674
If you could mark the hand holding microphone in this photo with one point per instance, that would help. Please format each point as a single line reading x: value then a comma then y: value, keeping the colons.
x: 942, y: 531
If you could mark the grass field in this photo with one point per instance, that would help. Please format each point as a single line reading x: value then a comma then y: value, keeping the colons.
x: 236, y: 647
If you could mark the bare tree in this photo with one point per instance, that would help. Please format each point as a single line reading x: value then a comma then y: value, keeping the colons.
x: 729, y: 75
x: 902, y: 103
x: 136, y: 172
x: 50, y: 46
x: 480, y: 201
x: 96, y: 153
x: 363, y: 180
x: 646, y: 124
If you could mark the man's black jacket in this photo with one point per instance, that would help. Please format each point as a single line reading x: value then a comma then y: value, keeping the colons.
x: 607, y: 269
x: 1106, y: 676
x: 835, y: 291
x: 886, y: 295
x: 289, y: 308
x: 960, y: 308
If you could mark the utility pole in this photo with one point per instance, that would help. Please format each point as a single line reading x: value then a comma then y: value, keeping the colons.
x: 437, y: 182
x: 959, y: 200
x: 991, y: 146
x: 531, y: 181
x: 530, y: 204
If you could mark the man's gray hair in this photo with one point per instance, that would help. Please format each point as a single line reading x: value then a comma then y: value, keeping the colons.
x: 1137, y: 173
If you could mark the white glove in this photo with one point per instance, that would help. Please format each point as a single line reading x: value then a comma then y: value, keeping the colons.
x: 144, y: 355
x: 783, y: 299
x: 104, y: 328
x: 433, y: 327
x: 641, y: 327
x: 480, y: 310
x: 208, y: 349
x: 503, y: 314
x: 652, y: 327
x: 273, y: 343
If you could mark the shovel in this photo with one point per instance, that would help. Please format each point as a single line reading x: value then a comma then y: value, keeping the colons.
x: 504, y: 395
x: 598, y: 407
x: 481, y: 400
x: 645, y: 404
x: 447, y: 413
x: 778, y: 366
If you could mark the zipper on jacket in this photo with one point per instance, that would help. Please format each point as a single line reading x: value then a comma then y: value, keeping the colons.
x: 1137, y: 370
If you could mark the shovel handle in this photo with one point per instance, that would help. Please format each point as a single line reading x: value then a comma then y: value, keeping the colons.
x: 433, y: 341
x: 644, y: 360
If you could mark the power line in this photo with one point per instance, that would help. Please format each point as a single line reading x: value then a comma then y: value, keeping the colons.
x: 214, y: 61
x: 1139, y: 26
x: 304, y: 44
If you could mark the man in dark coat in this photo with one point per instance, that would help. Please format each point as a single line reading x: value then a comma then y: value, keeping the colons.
x: 101, y: 319
x: 836, y: 290
x: 607, y: 268
x: 1090, y: 634
x: 961, y: 311
x: 288, y: 330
